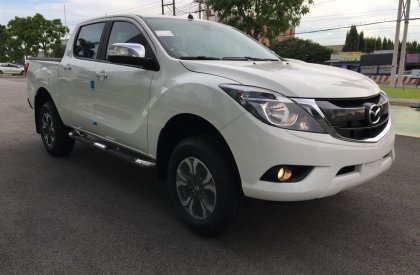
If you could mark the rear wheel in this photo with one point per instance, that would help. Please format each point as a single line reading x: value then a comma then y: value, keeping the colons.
x: 53, y: 132
x: 1, y: 73
x: 204, y: 186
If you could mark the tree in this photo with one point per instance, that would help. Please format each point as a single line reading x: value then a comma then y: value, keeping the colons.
x: 52, y: 31
x: 3, y: 46
x: 384, y: 44
x: 370, y: 44
x: 352, y: 40
x: 301, y: 49
x: 378, y: 44
x: 413, y: 47
x: 262, y: 19
x: 361, y: 42
x: 29, y: 34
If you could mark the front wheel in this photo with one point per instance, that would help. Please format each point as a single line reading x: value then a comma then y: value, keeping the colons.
x: 53, y: 132
x: 204, y: 186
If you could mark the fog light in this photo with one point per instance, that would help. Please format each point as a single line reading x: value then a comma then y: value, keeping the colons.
x: 284, y: 174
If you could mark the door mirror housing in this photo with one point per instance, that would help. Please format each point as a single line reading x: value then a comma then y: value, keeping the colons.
x: 131, y: 54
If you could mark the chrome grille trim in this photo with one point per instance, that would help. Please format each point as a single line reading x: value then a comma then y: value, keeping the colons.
x: 312, y: 107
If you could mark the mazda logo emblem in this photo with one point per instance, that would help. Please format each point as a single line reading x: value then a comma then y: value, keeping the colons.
x: 374, y: 114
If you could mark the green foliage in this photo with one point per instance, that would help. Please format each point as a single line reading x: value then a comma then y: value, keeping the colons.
x: 401, y: 92
x: 301, y: 49
x: 28, y: 35
x: 413, y: 47
x: 262, y: 19
x: 352, y: 40
x: 3, y: 38
x: 370, y: 44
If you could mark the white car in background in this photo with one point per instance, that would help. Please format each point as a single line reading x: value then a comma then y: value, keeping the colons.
x: 9, y: 68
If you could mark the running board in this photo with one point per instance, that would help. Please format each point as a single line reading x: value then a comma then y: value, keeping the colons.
x: 116, y: 151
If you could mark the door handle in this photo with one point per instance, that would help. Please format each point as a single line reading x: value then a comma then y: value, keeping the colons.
x: 102, y: 74
x: 67, y: 67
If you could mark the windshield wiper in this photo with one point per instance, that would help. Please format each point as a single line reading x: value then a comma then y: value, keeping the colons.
x: 246, y: 58
x: 200, y: 57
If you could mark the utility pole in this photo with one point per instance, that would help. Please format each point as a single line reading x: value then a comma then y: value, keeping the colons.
x: 200, y: 7
x: 403, y: 11
x: 406, y: 11
x: 171, y: 4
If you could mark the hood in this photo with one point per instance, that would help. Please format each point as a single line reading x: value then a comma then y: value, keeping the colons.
x: 291, y: 78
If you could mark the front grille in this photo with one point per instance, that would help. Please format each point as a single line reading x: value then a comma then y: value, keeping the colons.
x: 350, y: 117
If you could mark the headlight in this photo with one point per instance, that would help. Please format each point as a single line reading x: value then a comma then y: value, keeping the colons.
x: 273, y: 108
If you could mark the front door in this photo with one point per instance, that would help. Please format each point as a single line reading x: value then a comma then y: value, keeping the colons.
x: 122, y: 93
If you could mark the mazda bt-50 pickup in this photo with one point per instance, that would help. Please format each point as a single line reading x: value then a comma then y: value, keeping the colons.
x: 219, y: 116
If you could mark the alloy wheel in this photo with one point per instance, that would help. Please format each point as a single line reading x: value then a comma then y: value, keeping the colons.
x: 48, y: 130
x: 196, y: 188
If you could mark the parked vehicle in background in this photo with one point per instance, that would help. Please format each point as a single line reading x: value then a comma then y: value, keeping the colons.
x: 219, y: 115
x: 10, y: 68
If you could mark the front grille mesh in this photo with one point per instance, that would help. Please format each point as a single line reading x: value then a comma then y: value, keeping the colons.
x: 349, y: 117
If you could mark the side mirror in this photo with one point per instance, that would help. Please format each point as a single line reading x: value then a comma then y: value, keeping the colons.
x: 127, y: 49
x: 131, y: 54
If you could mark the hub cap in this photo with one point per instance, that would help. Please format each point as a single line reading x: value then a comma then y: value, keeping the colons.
x: 196, y: 189
x: 48, y: 130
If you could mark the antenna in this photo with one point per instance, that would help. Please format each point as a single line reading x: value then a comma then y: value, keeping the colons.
x: 65, y: 18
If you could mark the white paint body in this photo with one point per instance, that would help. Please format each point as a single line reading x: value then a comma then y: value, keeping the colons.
x: 132, y: 105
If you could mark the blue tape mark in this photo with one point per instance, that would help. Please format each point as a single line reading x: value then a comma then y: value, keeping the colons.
x: 92, y: 84
x: 94, y: 123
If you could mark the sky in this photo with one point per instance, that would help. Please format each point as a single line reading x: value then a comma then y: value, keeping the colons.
x: 323, y: 14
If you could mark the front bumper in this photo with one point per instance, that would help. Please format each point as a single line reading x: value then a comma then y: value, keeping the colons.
x: 257, y: 147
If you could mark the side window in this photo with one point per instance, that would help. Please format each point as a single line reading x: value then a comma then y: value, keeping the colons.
x: 87, y: 41
x: 124, y: 32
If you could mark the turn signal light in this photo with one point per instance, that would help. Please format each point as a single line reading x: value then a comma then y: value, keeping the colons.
x: 284, y: 174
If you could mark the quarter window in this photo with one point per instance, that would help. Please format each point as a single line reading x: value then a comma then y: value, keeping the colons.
x: 87, y: 42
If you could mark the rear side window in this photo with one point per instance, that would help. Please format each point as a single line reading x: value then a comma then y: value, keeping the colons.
x: 87, y: 42
x: 124, y: 32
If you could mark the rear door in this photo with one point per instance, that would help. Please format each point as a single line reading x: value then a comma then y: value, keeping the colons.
x: 77, y: 77
x: 122, y: 91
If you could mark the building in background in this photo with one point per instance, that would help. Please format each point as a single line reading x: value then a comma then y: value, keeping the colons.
x: 346, y: 60
x: 376, y: 65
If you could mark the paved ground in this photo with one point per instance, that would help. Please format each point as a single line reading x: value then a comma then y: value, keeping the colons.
x: 92, y: 213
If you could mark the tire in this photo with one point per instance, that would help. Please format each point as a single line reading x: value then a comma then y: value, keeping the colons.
x: 22, y: 72
x: 211, y: 199
x: 1, y: 73
x: 54, y: 133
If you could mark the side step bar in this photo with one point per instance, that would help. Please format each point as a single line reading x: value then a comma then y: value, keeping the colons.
x: 116, y: 151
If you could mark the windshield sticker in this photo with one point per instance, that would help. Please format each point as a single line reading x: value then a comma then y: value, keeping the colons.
x: 164, y: 33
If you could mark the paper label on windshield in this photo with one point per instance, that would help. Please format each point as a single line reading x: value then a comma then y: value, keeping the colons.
x: 164, y: 33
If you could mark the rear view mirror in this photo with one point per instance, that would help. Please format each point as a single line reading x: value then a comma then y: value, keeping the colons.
x: 131, y: 54
x: 127, y: 49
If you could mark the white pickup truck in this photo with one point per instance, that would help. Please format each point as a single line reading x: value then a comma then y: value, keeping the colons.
x: 219, y: 115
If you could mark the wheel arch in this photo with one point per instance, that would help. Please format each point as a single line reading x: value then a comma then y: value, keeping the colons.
x: 181, y: 127
x: 41, y: 97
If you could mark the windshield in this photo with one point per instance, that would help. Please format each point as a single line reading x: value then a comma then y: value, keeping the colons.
x: 193, y: 39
